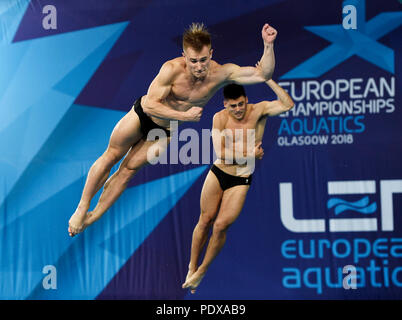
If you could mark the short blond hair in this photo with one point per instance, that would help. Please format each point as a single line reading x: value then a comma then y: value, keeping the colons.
x: 196, y: 37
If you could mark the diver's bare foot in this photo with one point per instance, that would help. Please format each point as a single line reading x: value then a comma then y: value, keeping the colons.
x: 190, y: 272
x: 90, y: 218
x: 193, y: 281
x: 76, y: 222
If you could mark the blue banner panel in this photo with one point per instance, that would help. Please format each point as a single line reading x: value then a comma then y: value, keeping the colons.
x: 323, y: 216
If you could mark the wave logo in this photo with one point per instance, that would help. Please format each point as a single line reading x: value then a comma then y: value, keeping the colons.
x: 335, y: 188
x: 361, y: 206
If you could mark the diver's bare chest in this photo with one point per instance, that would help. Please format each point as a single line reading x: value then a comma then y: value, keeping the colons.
x: 197, y: 93
x: 251, y: 123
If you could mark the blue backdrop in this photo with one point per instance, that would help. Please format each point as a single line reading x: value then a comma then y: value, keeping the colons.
x: 326, y: 195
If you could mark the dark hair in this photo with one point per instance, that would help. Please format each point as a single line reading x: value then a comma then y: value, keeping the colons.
x: 196, y: 37
x: 233, y: 91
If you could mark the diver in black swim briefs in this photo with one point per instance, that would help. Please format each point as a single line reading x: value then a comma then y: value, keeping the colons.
x: 227, y: 183
x: 180, y: 90
x: 146, y: 122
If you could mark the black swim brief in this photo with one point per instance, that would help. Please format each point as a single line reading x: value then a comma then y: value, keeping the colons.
x: 227, y: 181
x: 146, y: 122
